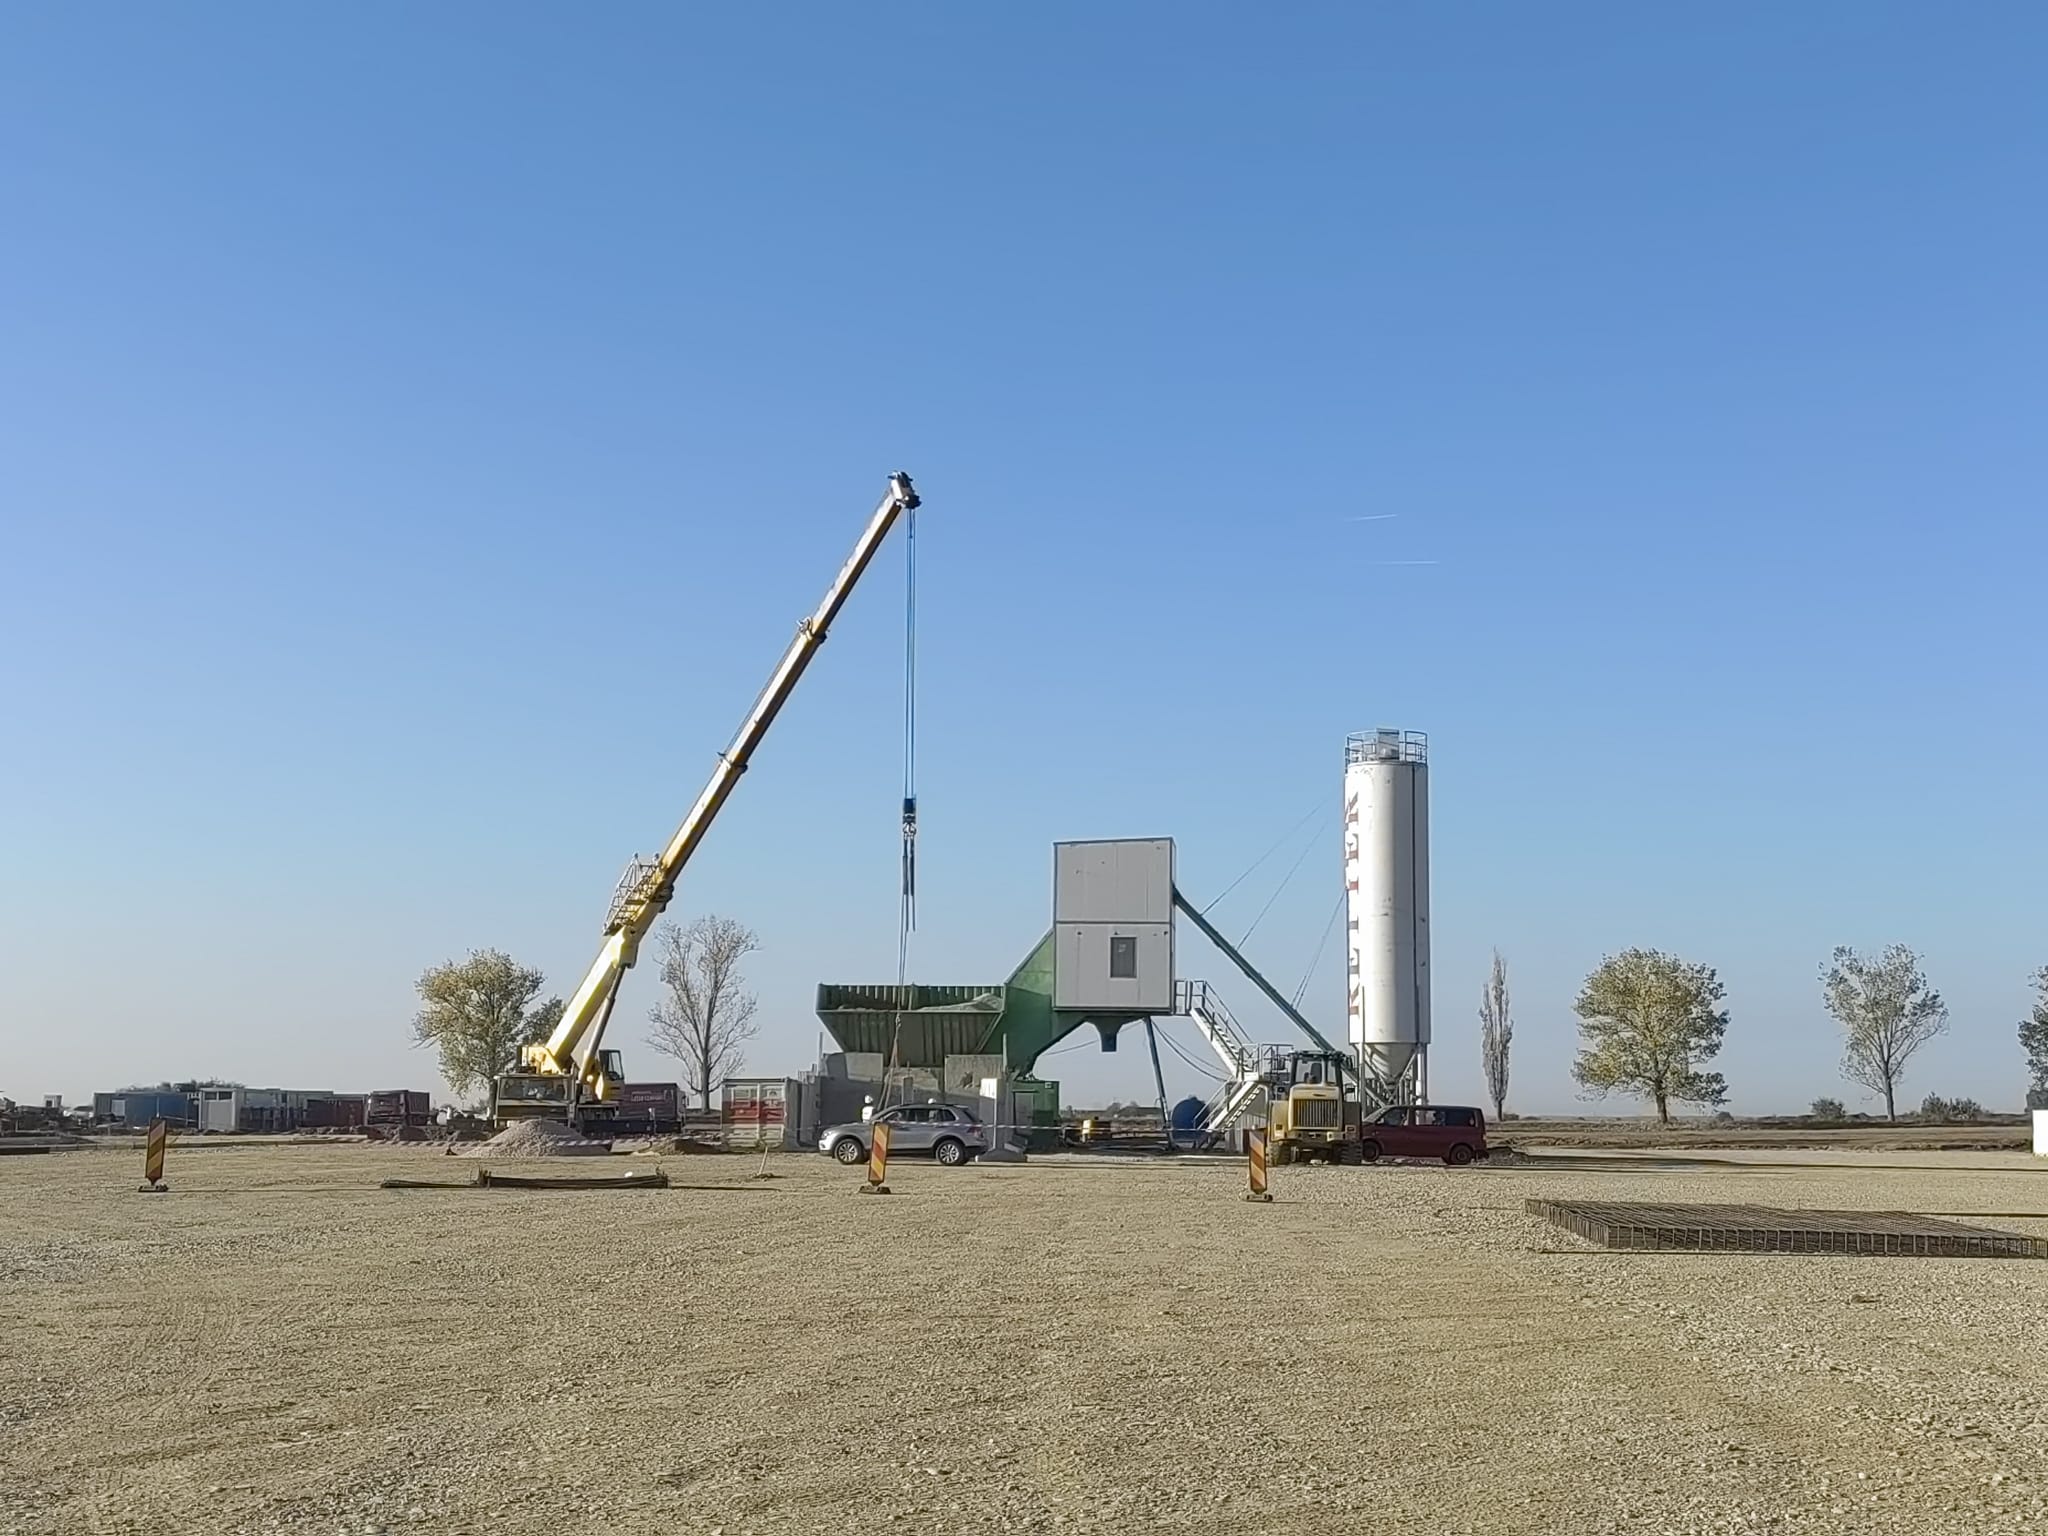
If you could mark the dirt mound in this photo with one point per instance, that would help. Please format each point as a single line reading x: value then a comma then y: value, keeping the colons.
x: 683, y: 1145
x: 538, y: 1138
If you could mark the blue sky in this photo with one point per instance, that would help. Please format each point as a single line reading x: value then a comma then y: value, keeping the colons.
x: 420, y: 429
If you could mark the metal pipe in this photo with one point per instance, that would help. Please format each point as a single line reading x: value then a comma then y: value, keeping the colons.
x: 1273, y: 995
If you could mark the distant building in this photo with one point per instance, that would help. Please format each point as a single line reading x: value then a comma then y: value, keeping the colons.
x: 212, y: 1105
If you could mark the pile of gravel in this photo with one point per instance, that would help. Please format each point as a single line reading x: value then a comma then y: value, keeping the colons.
x: 538, y: 1138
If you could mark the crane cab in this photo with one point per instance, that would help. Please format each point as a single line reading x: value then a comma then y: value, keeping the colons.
x: 553, y: 1095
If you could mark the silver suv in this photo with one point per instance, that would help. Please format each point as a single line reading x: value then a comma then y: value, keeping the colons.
x: 950, y: 1134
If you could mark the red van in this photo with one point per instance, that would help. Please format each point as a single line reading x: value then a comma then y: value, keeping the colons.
x: 1454, y: 1132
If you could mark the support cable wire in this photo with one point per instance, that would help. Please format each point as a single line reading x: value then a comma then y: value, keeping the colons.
x: 1280, y: 842
x: 1288, y: 879
x: 1328, y: 928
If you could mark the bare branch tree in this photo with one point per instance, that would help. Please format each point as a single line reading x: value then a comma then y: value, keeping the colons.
x: 478, y: 1012
x: 706, y: 1015
x: 1496, y: 1034
x: 1887, y: 1012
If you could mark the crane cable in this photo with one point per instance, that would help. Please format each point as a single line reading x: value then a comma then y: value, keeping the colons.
x: 907, y: 915
x: 906, y: 912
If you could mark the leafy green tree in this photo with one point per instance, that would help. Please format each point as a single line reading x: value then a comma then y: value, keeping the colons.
x: 1887, y: 1012
x: 1647, y: 1021
x: 478, y: 1012
x: 2034, y: 1041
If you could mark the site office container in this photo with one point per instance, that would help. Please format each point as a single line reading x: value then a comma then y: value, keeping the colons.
x: 762, y: 1112
x: 218, y: 1109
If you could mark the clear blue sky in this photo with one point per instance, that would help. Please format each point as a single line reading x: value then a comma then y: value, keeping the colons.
x: 421, y: 427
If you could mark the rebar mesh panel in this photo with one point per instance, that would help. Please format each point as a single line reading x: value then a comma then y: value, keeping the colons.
x: 1623, y: 1226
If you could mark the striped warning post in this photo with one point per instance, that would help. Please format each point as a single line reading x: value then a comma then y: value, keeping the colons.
x: 153, y: 1157
x: 1255, y: 1155
x: 878, y: 1161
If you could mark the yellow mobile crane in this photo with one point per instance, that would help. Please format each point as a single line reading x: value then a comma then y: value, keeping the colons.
x: 569, y: 1075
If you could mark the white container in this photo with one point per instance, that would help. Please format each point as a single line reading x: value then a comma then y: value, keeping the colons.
x: 1112, y: 914
x: 2041, y: 1133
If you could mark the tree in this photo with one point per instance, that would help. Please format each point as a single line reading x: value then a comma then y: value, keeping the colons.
x: 706, y: 1015
x: 2034, y: 1041
x: 1887, y: 1012
x: 1828, y: 1109
x: 478, y: 1012
x: 1647, y: 1021
x: 1496, y: 1034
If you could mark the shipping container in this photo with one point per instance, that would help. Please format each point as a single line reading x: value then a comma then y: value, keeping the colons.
x: 763, y: 1112
x: 645, y: 1109
x: 663, y: 1096
x: 336, y: 1112
x: 262, y: 1111
x: 398, y: 1107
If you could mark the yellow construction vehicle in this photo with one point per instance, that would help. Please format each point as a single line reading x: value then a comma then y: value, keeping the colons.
x: 569, y: 1076
x: 1314, y: 1110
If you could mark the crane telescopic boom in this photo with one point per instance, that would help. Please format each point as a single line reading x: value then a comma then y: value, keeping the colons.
x: 570, y: 1057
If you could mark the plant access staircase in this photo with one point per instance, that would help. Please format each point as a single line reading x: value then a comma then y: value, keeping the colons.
x: 1244, y: 1078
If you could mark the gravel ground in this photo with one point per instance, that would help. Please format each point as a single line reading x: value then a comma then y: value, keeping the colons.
x: 1065, y: 1345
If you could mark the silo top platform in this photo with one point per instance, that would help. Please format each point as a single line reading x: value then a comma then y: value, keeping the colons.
x: 1386, y: 745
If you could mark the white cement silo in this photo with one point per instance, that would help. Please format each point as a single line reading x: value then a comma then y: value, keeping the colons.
x: 1386, y: 880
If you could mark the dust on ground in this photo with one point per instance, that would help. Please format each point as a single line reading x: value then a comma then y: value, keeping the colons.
x: 1056, y: 1346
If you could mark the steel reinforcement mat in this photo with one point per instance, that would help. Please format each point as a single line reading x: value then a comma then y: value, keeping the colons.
x: 1761, y: 1229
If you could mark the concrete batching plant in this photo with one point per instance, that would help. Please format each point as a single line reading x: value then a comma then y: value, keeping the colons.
x: 1386, y: 881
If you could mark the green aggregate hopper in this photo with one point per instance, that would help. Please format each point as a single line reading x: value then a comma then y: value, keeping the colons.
x: 921, y: 1025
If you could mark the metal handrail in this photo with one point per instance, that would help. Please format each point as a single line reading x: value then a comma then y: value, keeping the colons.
x: 1386, y: 745
x: 1197, y: 999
